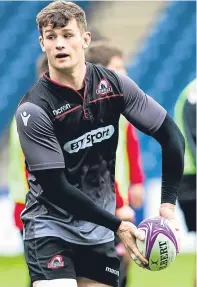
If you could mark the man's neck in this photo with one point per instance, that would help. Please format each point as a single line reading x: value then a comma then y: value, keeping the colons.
x: 73, y: 79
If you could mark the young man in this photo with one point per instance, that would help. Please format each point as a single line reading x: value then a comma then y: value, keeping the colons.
x: 68, y: 129
x: 128, y: 172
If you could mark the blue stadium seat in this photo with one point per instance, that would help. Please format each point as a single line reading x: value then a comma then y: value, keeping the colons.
x: 169, y: 58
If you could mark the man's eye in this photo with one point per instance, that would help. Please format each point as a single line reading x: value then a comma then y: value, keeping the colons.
x: 68, y: 36
x: 50, y: 37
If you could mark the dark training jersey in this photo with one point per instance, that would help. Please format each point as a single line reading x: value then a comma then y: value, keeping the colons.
x: 60, y: 128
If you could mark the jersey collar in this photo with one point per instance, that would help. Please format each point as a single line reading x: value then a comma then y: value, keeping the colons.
x: 66, y: 91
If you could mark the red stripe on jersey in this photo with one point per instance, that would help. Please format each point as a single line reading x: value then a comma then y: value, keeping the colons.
x: 67, y: 112
x: 107, y: 97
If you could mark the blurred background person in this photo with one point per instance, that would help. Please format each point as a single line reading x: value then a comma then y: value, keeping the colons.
x: 17, y: 173
x: 128, y: 172
x: 185, y: 117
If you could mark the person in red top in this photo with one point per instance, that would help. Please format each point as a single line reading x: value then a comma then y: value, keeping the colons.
x: 135, y: 171
x: 129, y: 173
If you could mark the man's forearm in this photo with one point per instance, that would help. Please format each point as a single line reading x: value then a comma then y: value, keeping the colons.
x: 173, y: 148
x: 74, y: 200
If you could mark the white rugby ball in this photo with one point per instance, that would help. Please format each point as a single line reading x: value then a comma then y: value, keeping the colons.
x: 160, y: 246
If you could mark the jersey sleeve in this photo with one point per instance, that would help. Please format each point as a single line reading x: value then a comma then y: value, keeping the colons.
x: 140, y: 109
x: 37, y: 138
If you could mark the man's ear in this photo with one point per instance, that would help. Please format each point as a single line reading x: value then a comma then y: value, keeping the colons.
x: 42, y: 44
x: 87, y: 40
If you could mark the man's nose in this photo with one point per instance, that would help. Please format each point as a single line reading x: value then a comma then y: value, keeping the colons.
x: 60, y: 44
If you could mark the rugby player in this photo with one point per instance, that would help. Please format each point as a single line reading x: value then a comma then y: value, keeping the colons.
x: 68, y: 130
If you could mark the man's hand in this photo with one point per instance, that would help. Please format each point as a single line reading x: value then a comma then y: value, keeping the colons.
x: 136, y: 195
x: 168, y: 211
x: 128, y: 233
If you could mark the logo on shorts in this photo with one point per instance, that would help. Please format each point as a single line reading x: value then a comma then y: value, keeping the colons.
x: 104, y: 87
x: 113, y: 271
x: 89, y: 139
x: 56, y: 262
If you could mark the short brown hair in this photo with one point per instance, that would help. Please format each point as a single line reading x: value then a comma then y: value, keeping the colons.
x: 101, y: 53
x: 59, y: 13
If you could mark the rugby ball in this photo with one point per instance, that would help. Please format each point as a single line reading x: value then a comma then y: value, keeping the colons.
x: 160, y: 246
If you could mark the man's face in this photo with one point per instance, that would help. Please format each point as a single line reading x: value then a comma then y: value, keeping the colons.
x: 116, y: 63
x: 65, y: 46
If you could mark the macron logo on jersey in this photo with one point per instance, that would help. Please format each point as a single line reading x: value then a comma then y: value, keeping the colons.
x: 25, y: 117
x: 88, y: 139
x: 61, y: 110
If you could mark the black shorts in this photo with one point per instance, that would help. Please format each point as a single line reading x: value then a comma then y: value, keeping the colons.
x: 52, y: 258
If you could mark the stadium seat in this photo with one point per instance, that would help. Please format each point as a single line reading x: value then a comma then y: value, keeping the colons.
x: 164, y: 66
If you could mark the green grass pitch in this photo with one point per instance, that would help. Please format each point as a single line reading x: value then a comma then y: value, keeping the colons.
x: 13, y: 273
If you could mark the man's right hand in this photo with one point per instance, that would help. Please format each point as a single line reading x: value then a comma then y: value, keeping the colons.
x: 128, y: 233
